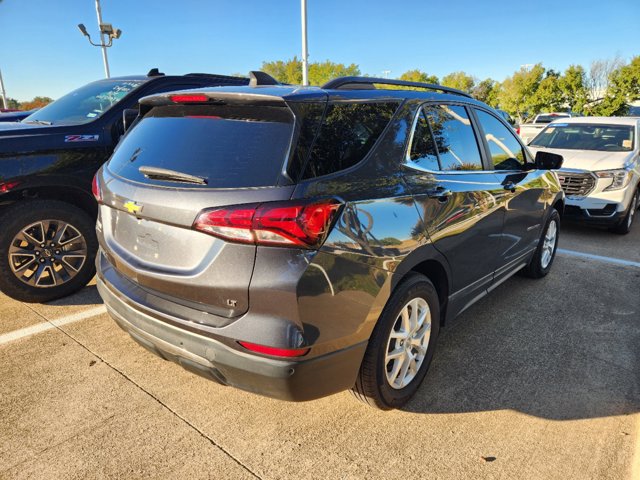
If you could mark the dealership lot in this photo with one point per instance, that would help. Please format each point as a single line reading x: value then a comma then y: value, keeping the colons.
x: 538, y: 380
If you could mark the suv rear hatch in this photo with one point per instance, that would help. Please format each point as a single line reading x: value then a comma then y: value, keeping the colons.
x: 189, y: 153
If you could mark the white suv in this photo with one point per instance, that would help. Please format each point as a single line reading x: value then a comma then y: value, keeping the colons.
x: 601, y: 171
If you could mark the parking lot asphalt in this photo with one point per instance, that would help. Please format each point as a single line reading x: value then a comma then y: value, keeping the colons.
x: 539, y: 380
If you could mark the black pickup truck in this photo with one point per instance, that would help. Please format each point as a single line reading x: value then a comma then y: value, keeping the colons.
x: 47, y: 163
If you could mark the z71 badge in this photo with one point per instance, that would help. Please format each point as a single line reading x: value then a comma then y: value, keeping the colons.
x: 81, y: 138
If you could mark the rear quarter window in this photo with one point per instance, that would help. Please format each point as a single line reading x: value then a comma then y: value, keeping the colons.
x: 348, y: 132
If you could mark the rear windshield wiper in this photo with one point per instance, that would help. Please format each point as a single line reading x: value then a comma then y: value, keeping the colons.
x: 171, y: 175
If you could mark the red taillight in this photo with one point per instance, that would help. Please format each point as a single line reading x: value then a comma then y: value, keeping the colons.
x: 7, y: 186
x: 277, y: 352
x: 278, y: 223
x: 95, y: 189
x: 189, y: 98
x: 518, y: 130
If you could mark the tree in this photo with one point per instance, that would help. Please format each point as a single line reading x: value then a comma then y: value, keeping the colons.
x: 419, y: 76
x: 600, y: 76
x: 459, y: 80
x: 486, y: 91
x: 290, y: 71
x: 37, y: 102
x: 574, y: 88
x: 624, y: 87
x: 548, y: 96
x: 13, y: 104
x: 517, y: 93
x: 322, y: 72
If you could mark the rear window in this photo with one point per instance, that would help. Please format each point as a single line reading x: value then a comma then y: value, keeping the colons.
x: 229, y: 146
x: 348, y: 132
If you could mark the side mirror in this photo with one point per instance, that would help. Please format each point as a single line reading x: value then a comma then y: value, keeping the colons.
x: 548, y: 161
x: 128, y: 117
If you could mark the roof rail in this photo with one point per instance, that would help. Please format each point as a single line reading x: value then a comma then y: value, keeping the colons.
x: 257, y: 78
x: 342, y: 82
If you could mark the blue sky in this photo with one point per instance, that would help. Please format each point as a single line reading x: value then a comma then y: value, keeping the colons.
x: 43, y: 53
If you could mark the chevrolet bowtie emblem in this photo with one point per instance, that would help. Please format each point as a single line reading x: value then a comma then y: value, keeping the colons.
x: 132, y: 207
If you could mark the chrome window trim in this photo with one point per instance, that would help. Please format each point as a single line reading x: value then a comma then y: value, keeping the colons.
x: 411, y: 164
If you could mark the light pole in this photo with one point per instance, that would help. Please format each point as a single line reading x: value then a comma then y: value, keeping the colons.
x: 3, y: 92
x: 305, y: 54
x: 105, y: 29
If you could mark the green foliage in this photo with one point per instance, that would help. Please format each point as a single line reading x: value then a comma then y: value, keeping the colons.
x: 37, y: 102
x: 487, y: 91
x: 459, y: 80
x: 290, y: 71
x: 573, y: 85
x: 606, y: 89
x: 624, y: 87
x: 419, y: 76
x: 517, y: 95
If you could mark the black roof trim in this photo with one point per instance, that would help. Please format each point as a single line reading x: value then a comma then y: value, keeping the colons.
x: 368, y: 82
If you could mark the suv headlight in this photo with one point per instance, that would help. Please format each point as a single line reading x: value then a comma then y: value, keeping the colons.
x: 619, y: 178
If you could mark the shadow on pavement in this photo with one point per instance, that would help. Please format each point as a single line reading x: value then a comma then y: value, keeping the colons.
x: 565, y: 347
x: 87, y: 296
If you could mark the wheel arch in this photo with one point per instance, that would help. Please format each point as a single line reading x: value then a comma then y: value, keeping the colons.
x: 429, y: 262
x: 68, y: 194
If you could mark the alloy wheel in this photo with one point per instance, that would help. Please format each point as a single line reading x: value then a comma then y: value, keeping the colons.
x: 47, y: 253
x: 549, y: 244
x: 408, y: 343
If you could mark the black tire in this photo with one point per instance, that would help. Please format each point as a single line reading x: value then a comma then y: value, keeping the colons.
x: 625, y: 224
x: 372, y: 385
x: 17, y: 217
x: 536, y: 267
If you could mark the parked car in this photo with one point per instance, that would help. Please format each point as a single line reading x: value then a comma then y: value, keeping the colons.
x: 601, y: 171
x: 296, y: 242
x: 15, y: 116
x: 47, y: 161
x: 529, y: 130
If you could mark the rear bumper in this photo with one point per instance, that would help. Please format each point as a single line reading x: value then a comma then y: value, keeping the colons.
x: 298, y: 380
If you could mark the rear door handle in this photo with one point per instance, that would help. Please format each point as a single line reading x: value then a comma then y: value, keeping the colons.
x: 440, y: 193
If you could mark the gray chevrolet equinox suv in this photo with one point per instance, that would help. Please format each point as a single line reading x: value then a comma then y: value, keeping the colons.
x: 299, y: 241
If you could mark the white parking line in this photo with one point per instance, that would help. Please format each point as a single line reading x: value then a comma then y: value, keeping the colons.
x: 44, y: 326
x: 599, y: 258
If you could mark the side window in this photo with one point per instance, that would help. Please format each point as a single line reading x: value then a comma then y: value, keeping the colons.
x: 347, y: 134
x: 454, y: 137
x: 506, y: 151
x: 423, y: 148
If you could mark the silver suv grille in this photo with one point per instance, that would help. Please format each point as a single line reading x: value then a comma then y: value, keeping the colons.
x: 577, y: 184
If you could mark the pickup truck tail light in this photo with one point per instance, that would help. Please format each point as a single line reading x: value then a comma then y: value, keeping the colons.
x: 285, y: 224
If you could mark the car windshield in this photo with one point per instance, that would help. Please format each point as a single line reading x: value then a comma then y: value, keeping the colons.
x: 605, y: 138
x: 84, y: 104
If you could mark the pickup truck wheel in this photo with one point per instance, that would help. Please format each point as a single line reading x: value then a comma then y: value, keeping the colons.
x: 540, y: 263
x: 624, y: 226
x: 47, y: 250
x: 401, y: 346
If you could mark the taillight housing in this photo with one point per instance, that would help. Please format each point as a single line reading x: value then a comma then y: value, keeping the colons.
x: 6, y: 187
x: 95, y: 189
x: 284, y: 224
x: 189, y: 98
